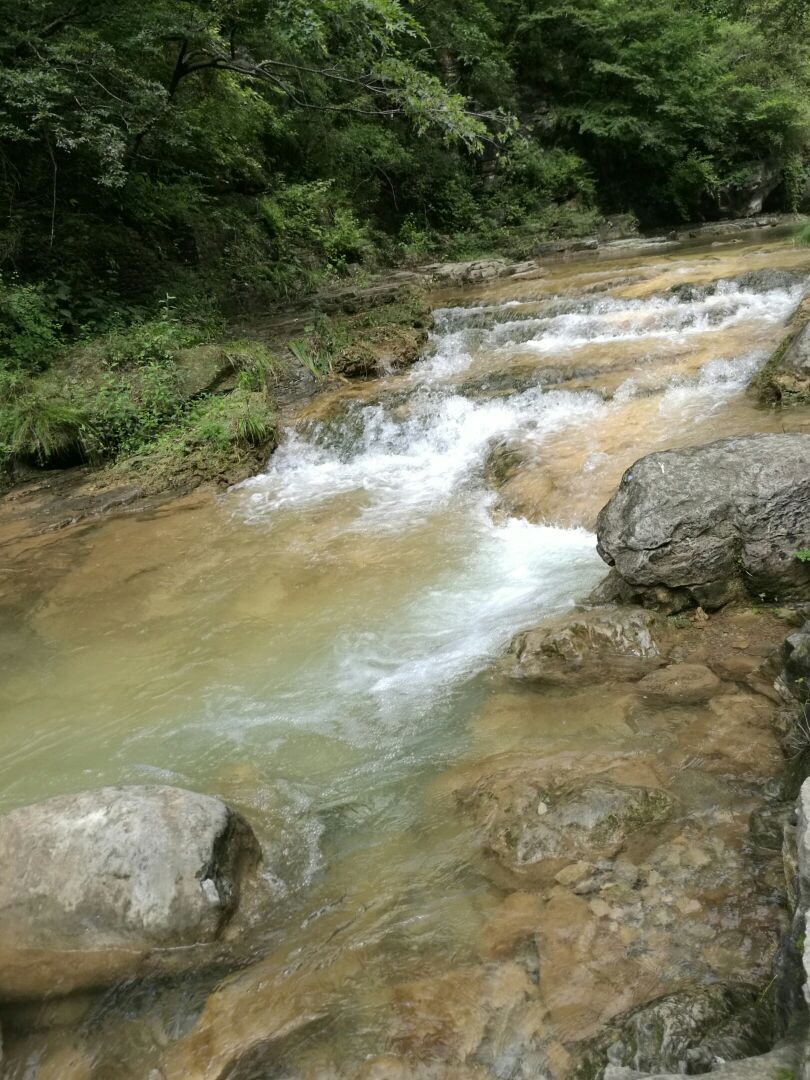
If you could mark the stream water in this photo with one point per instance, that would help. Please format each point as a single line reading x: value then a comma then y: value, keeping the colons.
x: 318, y: 647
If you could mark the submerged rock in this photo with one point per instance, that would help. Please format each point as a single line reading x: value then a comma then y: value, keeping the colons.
x: 114, y: 883
x: 708, y: 524
x: 534, y: 828
x: 756, y: 281
x: 767, y: 279
x: 600, y: 643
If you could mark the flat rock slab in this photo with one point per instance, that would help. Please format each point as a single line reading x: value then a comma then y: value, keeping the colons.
x: 94, y: 883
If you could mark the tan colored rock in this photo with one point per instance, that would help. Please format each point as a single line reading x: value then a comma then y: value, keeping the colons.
x: 573, y: 874
x: 515, y: 920
x: 591, y: 645
x: 681, y: 684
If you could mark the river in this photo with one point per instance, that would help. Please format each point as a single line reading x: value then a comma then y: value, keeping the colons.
x: 319, y: 646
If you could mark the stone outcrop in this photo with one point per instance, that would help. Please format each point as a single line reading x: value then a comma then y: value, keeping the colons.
x: 687, y: 1032
x: 778, y: 1064
x: 785, y: 378
x: 114, y: 883
x: 794, y: 677
x: 747, y: 194
x: 592, y: 645
x: 709, y: 524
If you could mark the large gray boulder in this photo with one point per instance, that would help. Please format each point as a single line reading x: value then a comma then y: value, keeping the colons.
x: 708, y: 524
x: 113, y: 883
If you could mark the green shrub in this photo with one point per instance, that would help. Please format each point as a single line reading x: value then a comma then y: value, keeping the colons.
x: 45, y: 429
x: 29, y: 326
x: 222, y: 437
x: 311, y: 222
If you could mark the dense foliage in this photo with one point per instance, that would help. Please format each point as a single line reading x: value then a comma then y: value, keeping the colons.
x: 232, y: 152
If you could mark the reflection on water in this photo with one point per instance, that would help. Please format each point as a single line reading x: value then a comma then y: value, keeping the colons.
x: 315, y: 646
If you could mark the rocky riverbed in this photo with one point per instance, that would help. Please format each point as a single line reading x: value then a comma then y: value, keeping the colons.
x: 383, y: 776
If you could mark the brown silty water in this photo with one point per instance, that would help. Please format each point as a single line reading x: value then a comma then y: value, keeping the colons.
x: 321, y: 647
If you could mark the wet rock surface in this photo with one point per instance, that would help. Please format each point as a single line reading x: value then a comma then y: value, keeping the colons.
x: 681, y: 684
x: 532, y: 827
x: 777, y: 1064
x: 688, y: 1032
x: 785, y: 378
x: 599, y: 643
x: 410, y: 947
x: 794, y: 677
x: 111, y: 883
x: 706, y: 524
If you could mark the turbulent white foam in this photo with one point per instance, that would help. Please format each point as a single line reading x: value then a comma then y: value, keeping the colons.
x: 513, y: 573
x: 408, y: 651
x: 610, y: 320
x: 560, y: 324
x: 394, y: 468
x: 411, y: 467
x: 717, y: 382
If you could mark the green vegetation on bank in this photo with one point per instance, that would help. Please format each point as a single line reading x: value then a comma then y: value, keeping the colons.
x: 166, y: 166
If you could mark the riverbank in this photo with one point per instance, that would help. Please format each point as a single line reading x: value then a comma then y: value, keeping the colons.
x: 186, y: 414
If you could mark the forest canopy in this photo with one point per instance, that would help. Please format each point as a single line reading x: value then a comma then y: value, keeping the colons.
x: 250, y: 135
x: 231, y: 153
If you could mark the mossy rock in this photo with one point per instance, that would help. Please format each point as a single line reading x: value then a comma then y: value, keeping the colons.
x: 380, y: 349
x: 222, y: 440
x: 785, y: 377
x: 685, y: 1032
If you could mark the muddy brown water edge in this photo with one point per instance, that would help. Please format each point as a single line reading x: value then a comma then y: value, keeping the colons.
x: 322, y: 648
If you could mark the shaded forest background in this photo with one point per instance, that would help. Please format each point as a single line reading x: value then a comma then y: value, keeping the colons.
x: 165, y: 165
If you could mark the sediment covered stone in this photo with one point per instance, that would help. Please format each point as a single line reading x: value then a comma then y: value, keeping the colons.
x: 106, y: 884
x: 596, y: 644
x: 708, y: 524
x: 534, y: 828
x: 680, y: 684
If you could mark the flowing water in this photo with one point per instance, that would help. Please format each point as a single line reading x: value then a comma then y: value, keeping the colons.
x: 317, y: 647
